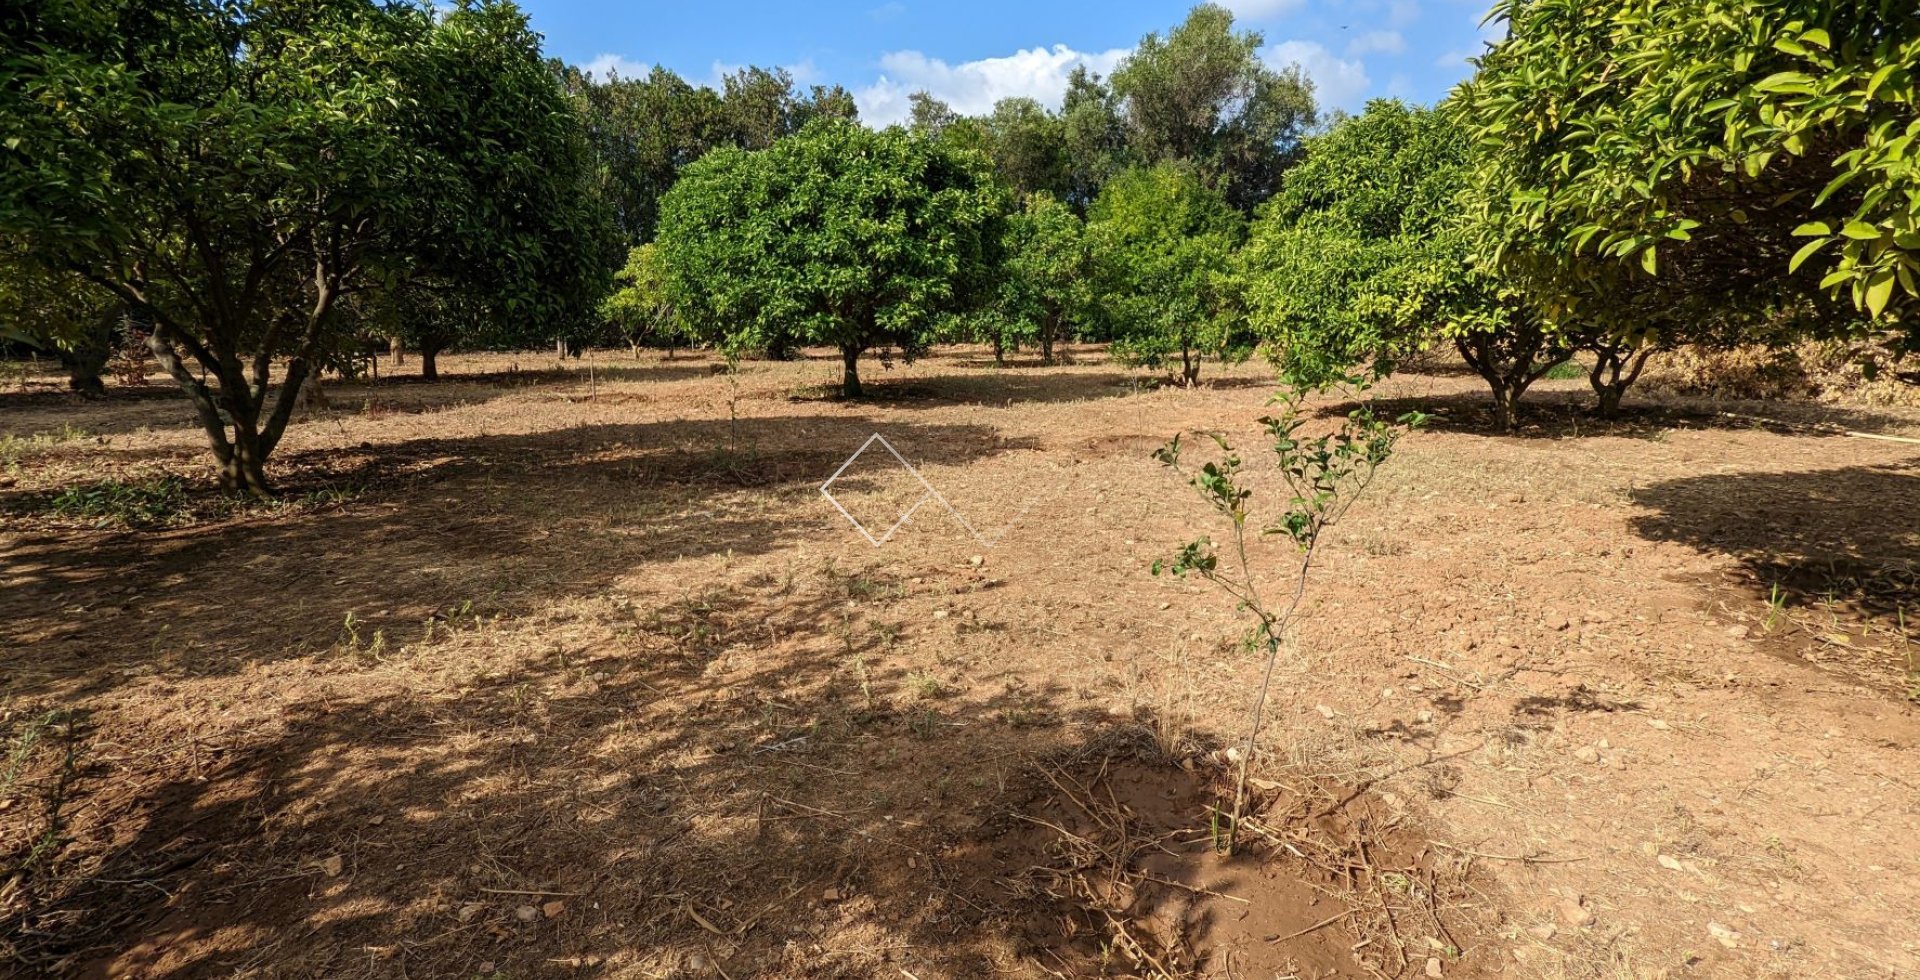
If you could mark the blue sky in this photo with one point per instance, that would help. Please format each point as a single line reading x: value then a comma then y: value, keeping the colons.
x: 972, y: 54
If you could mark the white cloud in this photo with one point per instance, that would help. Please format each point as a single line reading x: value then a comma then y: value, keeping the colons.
x: 1260, y: 9
x: 887, y: 12
x: 1377, y: 42
x: 972, y: 87
x: 1338, y: 83
x: 605, y: 65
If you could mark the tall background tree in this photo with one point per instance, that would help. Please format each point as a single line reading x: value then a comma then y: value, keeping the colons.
x: 231, y: 172
x: 1202, y: 95
x: 838, y: 235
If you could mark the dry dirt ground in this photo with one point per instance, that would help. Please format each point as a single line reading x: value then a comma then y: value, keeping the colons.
x: 571, y: 670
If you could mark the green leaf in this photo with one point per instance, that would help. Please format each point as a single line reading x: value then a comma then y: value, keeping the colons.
x: 1806, y: 252
x: 1879, y: 291
x: 1813, y: 228
x: 1860, y: 231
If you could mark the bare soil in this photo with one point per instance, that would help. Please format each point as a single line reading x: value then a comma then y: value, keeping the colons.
x: 570, y: 669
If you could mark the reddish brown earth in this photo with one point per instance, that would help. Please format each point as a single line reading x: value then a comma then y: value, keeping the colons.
x: 542, y: 672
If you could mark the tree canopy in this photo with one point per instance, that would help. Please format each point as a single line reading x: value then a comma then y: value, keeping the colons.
x: 1164, y: 241
x: 1202, y: 95
x: 838, y: 235
x: 231, y: 172
x: 1735, y: 149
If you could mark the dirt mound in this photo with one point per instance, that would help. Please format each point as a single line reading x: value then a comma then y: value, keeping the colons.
x: 1115, y: 864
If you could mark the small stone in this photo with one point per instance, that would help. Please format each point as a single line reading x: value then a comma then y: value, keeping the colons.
x: 977, y: 560
x: 526, y: 913
x: 1726, y: 936
x: 1544, y: 931
x: 1575, y: 914
x: 1738, y: 632
x: 333, y: 865
x: 1325, y: 712
x: 1658, y: 725
x: 469, y: 910
x: 939, y: 614
x: 553, y: 908
x: 830, y: 895
x: 1559, y: 624
x: 1433, y: 966
x: 1670, y: 862
x: 1587, y: 753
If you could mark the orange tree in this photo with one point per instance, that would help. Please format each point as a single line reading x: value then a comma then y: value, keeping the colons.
x: 231, y: 172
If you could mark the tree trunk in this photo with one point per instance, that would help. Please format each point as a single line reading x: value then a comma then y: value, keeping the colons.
x: 999, y: 351
x: 1047, y: 329
x: 244, y: 471
x: 397, y: 349
x: 88, y: 358
x: 1615, y: 368
x: 850, y: 376
x: 1189, y: 367
x: 429, y: 363
x: 1510, y: 361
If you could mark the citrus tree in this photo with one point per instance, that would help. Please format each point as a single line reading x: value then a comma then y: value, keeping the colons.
x: 1046, y: 288
x: 1163, y: 241
x: 230, y: 172
x: 639, y: 306
x: 1757, y: 154
x: 838, y: 235
x: 1361, y: 258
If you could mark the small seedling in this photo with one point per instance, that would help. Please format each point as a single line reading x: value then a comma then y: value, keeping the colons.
x: 1325, y: 475
x: 1776, y: 609
x: 926, y: 687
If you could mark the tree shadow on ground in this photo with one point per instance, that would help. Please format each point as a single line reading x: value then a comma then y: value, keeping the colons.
x: 494, y: 523
x: 1844, y: 542
x: 992, y: 390
x: 738, y: 782
x: 1569, y: 415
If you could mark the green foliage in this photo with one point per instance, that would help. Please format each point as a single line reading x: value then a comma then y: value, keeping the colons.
x: 231, y: 171
x: 54, y: 309
x: 1324, y: 476
x: 1363, y: 257
x: 1202, y: 96
x: 639, y: 306
x: 1338, y: 262
x: 1163, y: 241
x: 1720, y: 145
x: 1093, y: 135
x: 838, y: 235
x: 644, y: 131
x: 151, y: 501
x: 1027, y: 146
x: 1047, y: 276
